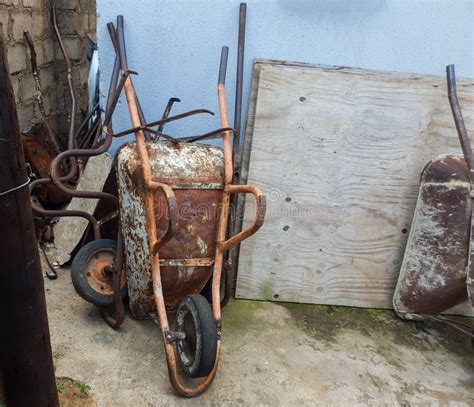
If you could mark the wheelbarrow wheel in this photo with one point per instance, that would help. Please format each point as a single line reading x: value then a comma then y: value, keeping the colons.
x: 197, y: 350
x: 89, y: 273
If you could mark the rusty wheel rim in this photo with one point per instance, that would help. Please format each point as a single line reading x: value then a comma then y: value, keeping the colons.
x: 97, y: 276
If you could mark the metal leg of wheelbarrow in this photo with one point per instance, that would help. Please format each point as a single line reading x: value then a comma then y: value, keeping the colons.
x: 115, y: 319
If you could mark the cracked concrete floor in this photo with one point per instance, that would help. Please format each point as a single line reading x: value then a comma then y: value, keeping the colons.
x: 273, y: 354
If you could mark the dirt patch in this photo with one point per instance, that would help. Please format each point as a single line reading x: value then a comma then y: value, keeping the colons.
x: 73, y: 393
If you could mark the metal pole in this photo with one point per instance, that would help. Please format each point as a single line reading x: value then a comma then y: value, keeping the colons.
x: 232, y: 264
x: 25, y: 355
x: 239, y: 86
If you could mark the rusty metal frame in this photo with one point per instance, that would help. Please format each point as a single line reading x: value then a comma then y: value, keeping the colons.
x: 155, y: 241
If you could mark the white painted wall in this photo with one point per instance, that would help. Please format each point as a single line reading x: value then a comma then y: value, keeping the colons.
x: 175, y: 44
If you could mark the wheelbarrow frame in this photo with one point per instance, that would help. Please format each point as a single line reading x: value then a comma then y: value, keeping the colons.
x: 156, y: 242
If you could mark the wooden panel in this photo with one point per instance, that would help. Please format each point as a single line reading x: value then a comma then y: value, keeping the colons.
x: 339, y: 152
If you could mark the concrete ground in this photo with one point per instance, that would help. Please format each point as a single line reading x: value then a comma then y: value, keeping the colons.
x: 273, y: 354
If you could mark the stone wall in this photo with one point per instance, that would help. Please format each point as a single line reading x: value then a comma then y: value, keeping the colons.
x: 76, y: 19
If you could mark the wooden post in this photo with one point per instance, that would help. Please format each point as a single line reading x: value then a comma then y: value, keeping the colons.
x: 25, y: 348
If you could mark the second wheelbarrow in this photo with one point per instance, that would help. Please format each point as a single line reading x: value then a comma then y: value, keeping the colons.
x: 436, y: 272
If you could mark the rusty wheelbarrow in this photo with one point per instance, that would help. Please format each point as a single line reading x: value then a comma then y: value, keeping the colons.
x: 436, y: 273
x: 174, y: 208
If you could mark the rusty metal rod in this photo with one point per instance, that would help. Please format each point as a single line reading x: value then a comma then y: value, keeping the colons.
x: 167, y: 111
x: 73, y: 168
x: 228, y: 170
x: 72, y: 94
x: 223, y: 116
x: 170, y: 119
x: 259, y: 216
x: 62, y: 212
x: 115, y: 71
x: 458, y: 119
x: 124, y: 65
x: 87, y: 122
x: 222, y: 244
x: 50, y: 142
x: 232, y: 256
x: 468, y: 156
x: 238, y: 87
x: 222, y: 231
x: 212, y: 134
x: 114, y: 99
x: 159, y: 134
x: 56, y: 178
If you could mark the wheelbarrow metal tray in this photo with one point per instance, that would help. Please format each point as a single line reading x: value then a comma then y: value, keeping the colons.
x: 434, y: 270
x: 196, y: 174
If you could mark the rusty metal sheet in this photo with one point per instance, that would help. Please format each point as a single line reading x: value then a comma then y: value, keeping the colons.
x: 196, y: 172
x: 434, y: 270
x: 40, y: 159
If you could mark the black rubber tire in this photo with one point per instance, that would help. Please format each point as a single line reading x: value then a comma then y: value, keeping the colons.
x: 79, y: 269
x: 197, y: 352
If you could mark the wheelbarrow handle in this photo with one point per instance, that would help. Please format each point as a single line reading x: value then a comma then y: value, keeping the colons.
x: 458, y: 119
x: 259, y: 215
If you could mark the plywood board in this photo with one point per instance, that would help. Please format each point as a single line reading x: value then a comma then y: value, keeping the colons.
x: 339, y: 151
